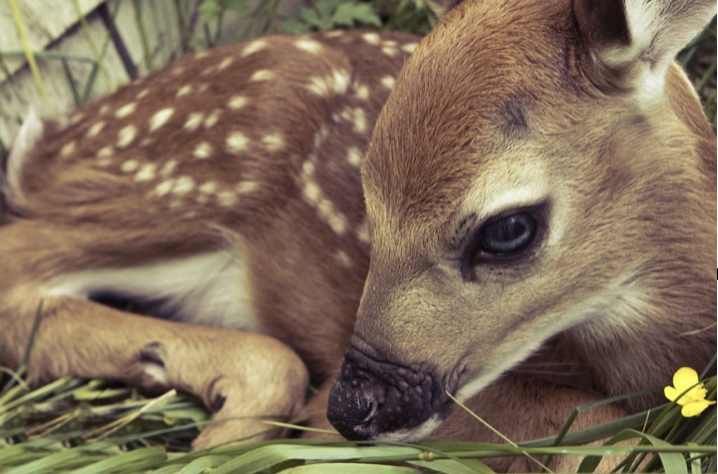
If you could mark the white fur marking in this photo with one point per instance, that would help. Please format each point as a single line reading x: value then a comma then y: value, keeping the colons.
x: 212, y: 119
x: 129, y: 166
x: 67, y: 149
x: 193, y: 121
x: 183, y: 185
x: 262, y: 75
x: 388, y: 82
x: 273, y: 141
x: 25, y: 141
x: 161, y: 118
x: 203, y: 151
x: 308, y: 45
x: 354, y: 156
x: 184, y: 90
x: 95, y: 129
x: 126, y: 110
x: 245, y: 187
x: 237, y: 102
x: 147, y: 172
x: 253, y: 47
x: 237, y: 142
x: 209, y: 289
x: 371, y: 38
x: 126, y: 136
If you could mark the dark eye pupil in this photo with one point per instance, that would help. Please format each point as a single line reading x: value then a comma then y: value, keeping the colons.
x: 507, y: 234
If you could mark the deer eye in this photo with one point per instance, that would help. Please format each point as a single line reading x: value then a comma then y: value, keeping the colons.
x: 507, y: 235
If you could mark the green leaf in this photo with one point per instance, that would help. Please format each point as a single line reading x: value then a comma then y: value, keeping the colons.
x: 347, y: 14
x: 209, y: 10
x: 326, y: 7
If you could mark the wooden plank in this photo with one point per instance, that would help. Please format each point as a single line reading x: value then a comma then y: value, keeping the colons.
x: 45, y: 21
x: 20, y: 93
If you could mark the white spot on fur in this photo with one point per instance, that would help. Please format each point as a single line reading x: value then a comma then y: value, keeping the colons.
x: 95, y: 129
x: 253, y: 47
x: 126, y: 135
x: 391, y: 52
x: 273, y: 141
x: 227, y: 198
x: 312, y: 192
x: 146, y: 173
x: 183, y: 185
x: 237, y: 102
x: 388, y: 82
x: 226, y: 62
x: 333, y: 34
x: 104, y: 109
x: 363, y: 233
x: 308, y: 45
x: 184, y: 90
x: 246, y: 187
x: 319, y: 85
x: 129, y: 166
x: 164, y: 187
x: 160, y: 118
x: 371, y: 38
x: 67, y: 149
x: 315, y: 197
x: 362, y: 91
x: 209, y: 289
x: 262, y: 75
x: 343, y: 258
x: 354, y: 156
x: 193, y: 121
x: 341, y: 81
x: 210, y: 187
x: 213, y: 118
x: 126, y: 110
x: 360, y: 124
x: 168, y: 168
x: 142, y: 94
x: 237, y: 142
x: 409, y: 47
x: 105, y: 152
x: 203, y: 151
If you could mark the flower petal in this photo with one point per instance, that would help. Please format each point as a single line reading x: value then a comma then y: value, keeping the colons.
x: 694, y: 408
x: 684, y: 378
x: 671, y: 393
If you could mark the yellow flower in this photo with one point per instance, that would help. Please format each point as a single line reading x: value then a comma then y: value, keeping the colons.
x: 694, y: 400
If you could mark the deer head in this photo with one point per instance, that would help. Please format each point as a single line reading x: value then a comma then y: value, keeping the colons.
x: 540, y: 169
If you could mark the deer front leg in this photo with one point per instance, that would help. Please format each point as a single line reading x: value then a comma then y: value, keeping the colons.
x: 238, y: 375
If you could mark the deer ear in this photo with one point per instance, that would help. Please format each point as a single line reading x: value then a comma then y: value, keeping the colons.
x: 441, y: 7
x: 643, y: 33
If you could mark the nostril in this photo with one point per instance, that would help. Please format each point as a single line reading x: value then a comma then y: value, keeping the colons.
x: 366, y: 410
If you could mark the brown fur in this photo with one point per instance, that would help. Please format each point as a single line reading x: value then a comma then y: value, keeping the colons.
x: 496, y: 88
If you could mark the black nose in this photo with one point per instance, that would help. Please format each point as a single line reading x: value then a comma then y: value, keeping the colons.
x: 371, y: 399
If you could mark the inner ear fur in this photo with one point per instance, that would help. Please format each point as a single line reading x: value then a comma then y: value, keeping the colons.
x: 602, y: 23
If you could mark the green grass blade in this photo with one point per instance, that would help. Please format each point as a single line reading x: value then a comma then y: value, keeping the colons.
x: 136, y: 459
x: 346, y: 468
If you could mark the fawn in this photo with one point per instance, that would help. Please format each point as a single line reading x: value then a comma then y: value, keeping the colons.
x: 539, y: 192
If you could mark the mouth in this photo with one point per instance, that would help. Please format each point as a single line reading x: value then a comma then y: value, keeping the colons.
x: 383, y: 401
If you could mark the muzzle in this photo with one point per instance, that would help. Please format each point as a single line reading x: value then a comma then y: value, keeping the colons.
x: 373, y: 400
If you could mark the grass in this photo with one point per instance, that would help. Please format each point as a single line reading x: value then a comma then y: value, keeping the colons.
x: 93, y: 426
